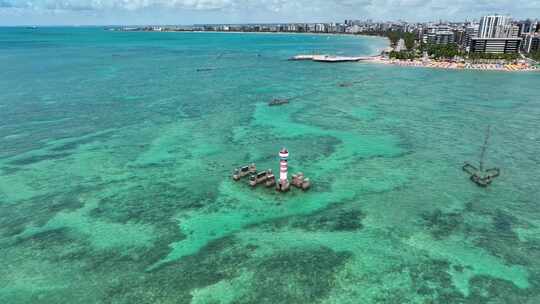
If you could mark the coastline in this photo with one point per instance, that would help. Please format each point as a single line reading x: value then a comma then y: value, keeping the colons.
x: 271, y: 33
x: 376, y: 57
x: 432, y: 64
x: 377, y: 50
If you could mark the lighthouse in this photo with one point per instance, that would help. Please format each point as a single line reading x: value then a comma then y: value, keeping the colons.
x: 283, y: 184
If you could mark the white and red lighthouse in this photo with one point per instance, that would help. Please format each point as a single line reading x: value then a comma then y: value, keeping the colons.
x: 283, y: 184
x: 283, y: 158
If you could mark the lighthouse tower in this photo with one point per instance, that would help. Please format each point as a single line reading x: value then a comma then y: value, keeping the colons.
x: 283, y: 184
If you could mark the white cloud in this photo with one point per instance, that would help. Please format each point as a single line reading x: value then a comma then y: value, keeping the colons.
x: 117, y: 4
x: 299, y: 10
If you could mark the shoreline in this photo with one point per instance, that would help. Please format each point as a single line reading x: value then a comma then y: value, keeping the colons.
x: 378, y: 59
x: 377, y: 50
x: 272, y: 33
x: 443, y: 65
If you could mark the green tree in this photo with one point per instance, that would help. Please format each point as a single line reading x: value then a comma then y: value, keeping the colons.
x: 409, y: 40
x: 403, y: 55
x: 439, y: 51
x: 394, y: 37
x: 535, y: 55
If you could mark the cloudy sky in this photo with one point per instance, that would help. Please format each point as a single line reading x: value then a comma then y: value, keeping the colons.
x: 83, y: 12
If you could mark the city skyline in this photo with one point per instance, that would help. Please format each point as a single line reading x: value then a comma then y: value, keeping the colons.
x: 117, y: 12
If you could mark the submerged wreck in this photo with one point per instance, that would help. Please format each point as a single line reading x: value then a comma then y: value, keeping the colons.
x: 205, y: 69
x: 278, y: 101
x: 480, y: 176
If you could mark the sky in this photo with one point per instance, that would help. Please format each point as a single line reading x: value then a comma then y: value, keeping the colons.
x: 139, y: 12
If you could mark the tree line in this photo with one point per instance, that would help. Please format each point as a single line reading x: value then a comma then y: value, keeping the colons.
x: 450, y: 51
x: 394, y: 37
x: 414, y: 50
x: 535, y: 55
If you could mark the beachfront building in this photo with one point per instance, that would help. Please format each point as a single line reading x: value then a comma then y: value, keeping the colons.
x: 495, y: 26
x: 528, y: 27
x: 470, y: 32
x: 320, y: 28
x: 292, y: 27
x: 438, y: 34
x: 514, y: 31
x: 441, y: 37
x: 459, y: 36
x: 496, y: 35
x: 354, y: 29
x: 531, y: 43
x: 495, y: 45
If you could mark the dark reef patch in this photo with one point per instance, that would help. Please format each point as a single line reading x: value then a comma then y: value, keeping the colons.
x: 172, y: 283
x: 334, y: 218
x: 320, y: 148
x: 14, y: 218
x: 330, y: 118
x: 431, y: 280
x: 501, y: 241
x: 489, y: 290
x: 442, y: 224
x: 502, y: 223
x: 152, y: 203
x: 44, y: 240
x: 498, y: 238
x: 38, y: 158
x: 7, y: 170
x: 71, y: 145
x: 296, y: 276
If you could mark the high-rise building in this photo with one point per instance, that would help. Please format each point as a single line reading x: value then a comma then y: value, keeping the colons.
x: 494, y: 26
x: 531, y: 43
x: 528, y: 27
x: 513, y: 31
x: 320, y: 28
x: 459, y: 36
x: 470, y: 32
x: 440, y: 37
x: 496, y: 34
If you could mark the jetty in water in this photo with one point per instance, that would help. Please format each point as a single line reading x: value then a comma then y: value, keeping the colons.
x: 329, y: 58
x: 479, y: 175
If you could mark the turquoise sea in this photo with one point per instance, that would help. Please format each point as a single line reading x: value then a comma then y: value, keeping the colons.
x: 116, y: 156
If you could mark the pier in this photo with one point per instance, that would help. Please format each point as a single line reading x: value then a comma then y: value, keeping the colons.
x: 329, y: 58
